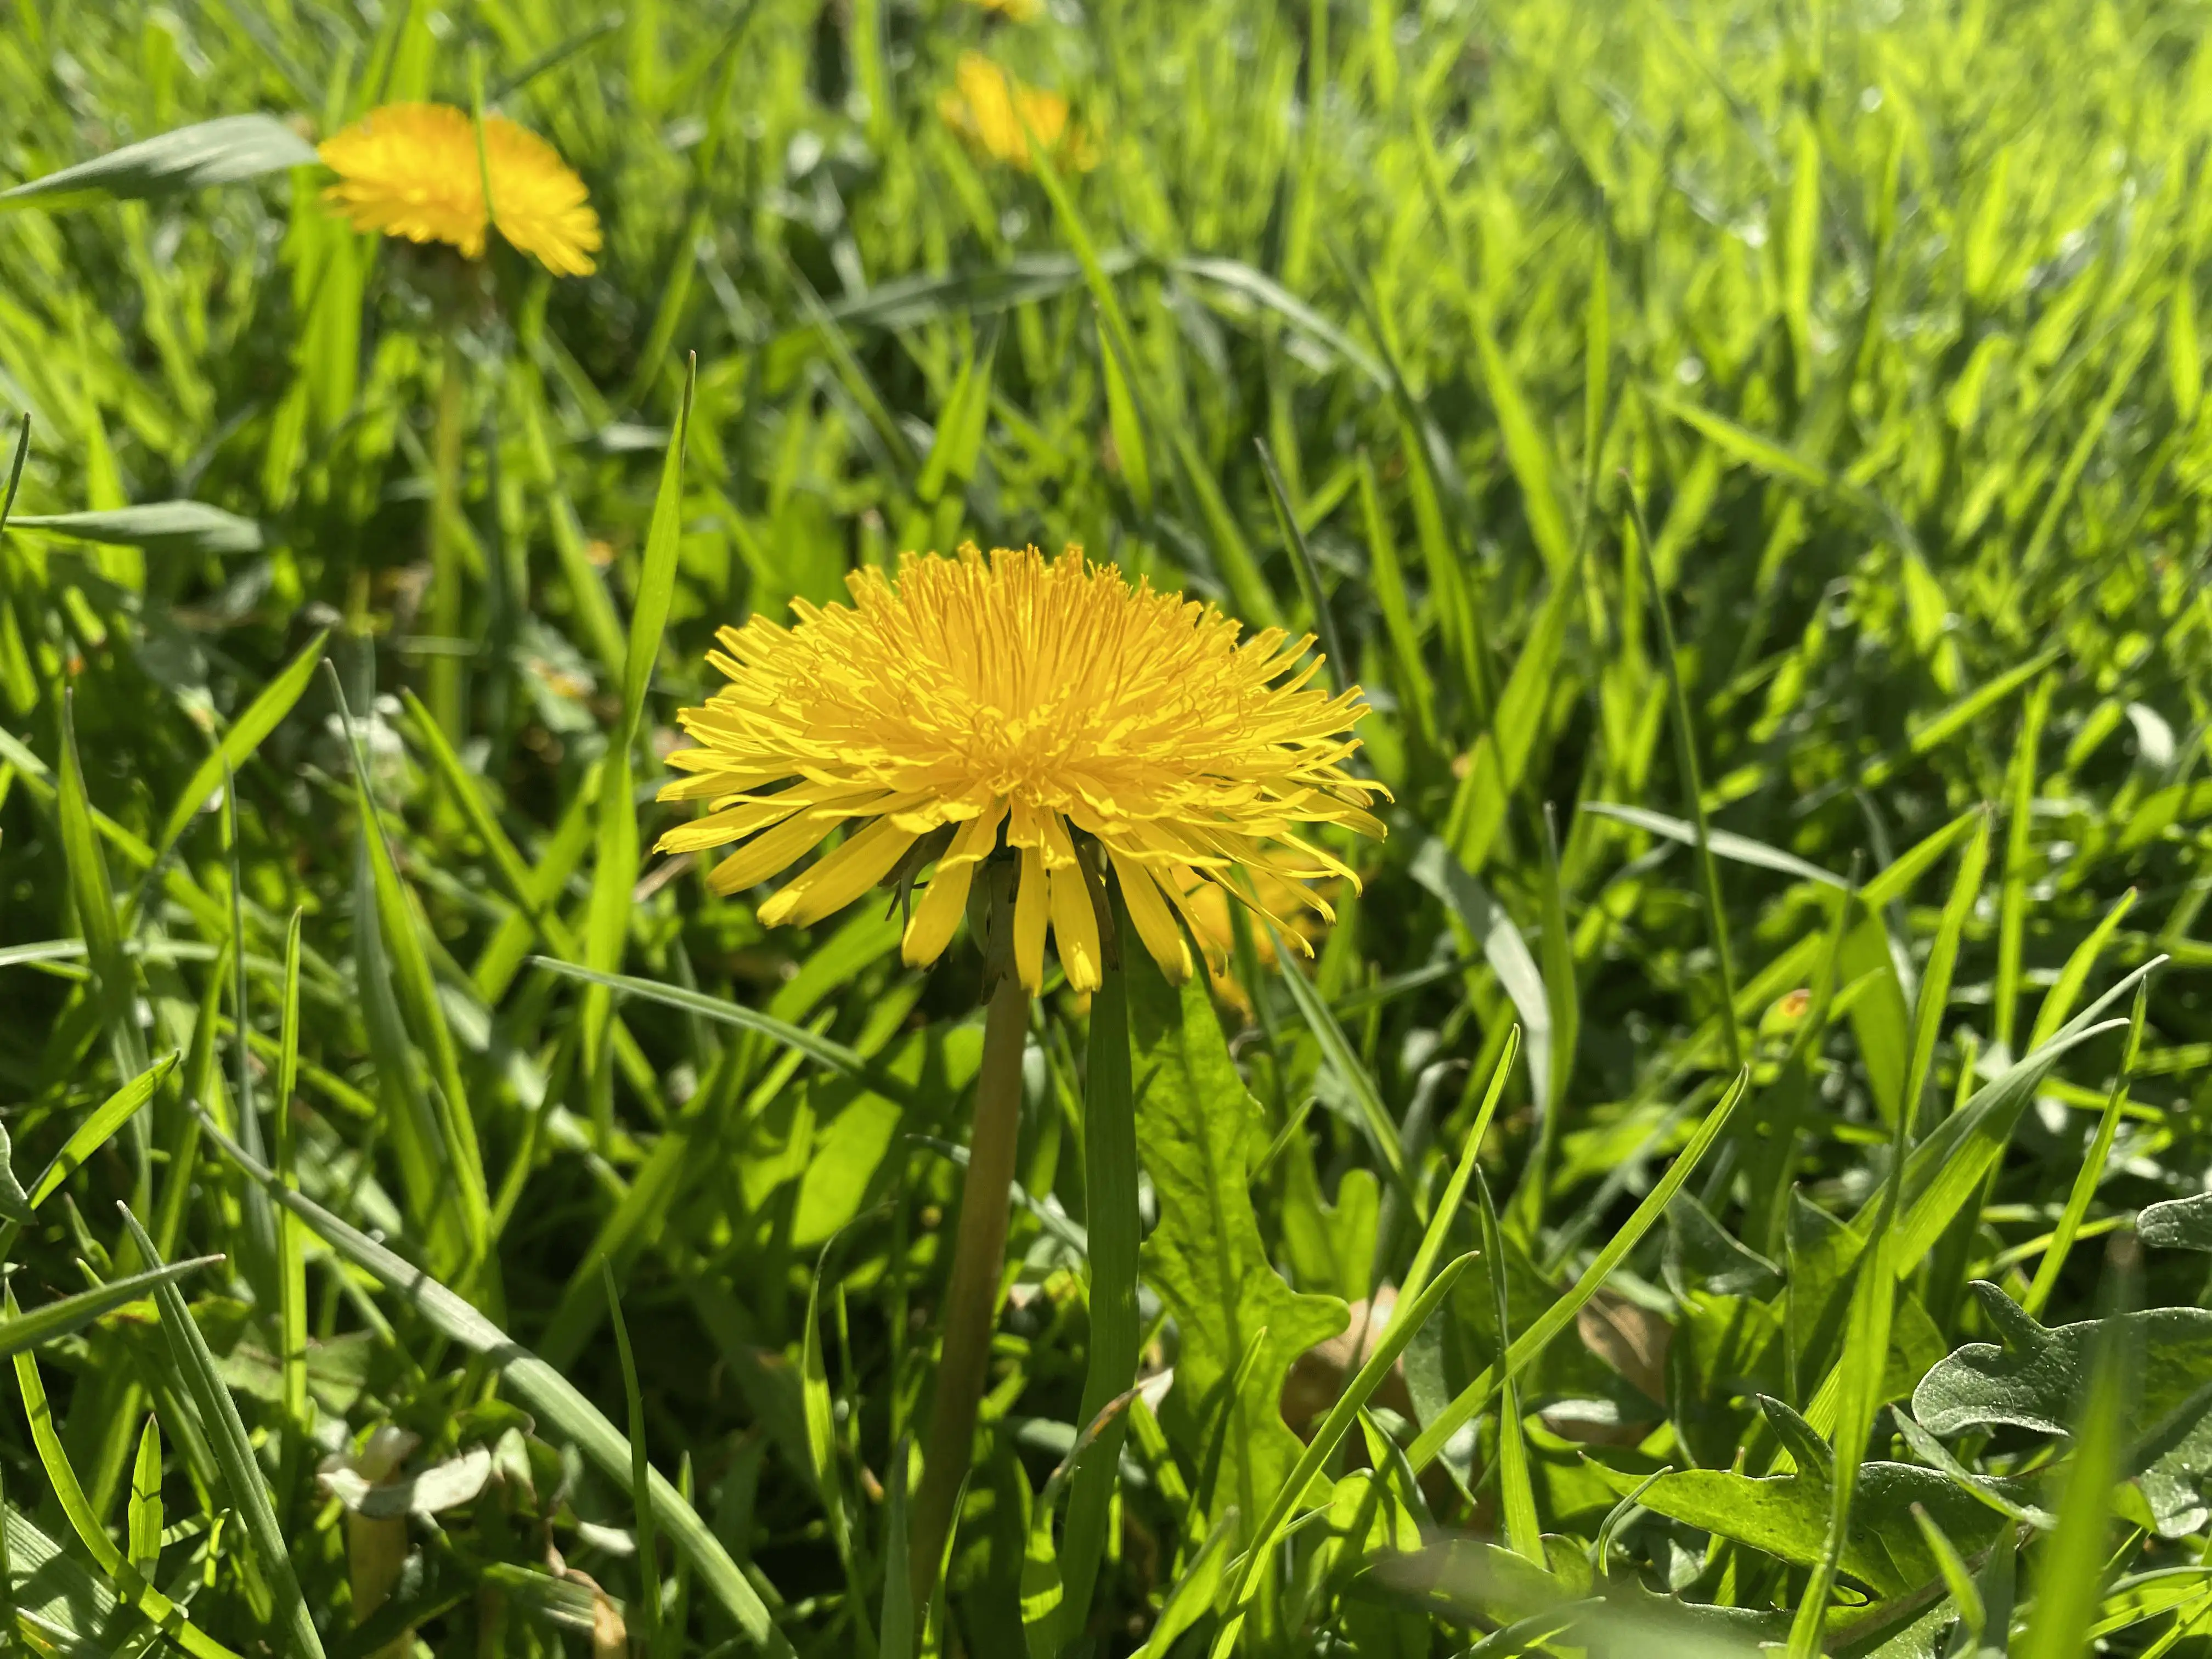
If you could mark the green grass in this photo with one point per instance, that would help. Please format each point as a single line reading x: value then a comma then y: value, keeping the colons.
x: 1754, y: 454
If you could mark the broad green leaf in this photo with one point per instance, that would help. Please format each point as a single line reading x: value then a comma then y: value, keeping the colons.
x: 1198, y: 1131
x: 2177, y: 1224
x: 2039, y: 1376
x: 1786, y: 1515
x: 1701, y: 1251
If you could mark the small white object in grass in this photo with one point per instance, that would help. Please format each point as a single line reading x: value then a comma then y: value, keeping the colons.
x: 613, y: 1541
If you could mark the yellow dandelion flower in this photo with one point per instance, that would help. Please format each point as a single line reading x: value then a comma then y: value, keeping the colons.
x: 1045, y: 706
x: 997, y: 114
x: 1015, y: 11
x: 413, y: 170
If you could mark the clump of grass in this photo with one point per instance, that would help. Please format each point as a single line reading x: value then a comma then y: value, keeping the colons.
x: 1753, y: 461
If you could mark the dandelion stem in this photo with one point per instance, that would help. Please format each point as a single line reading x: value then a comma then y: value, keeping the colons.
x: 971, y: 1300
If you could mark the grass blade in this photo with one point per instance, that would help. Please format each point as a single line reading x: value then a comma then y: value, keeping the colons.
x: 21, y: 1331
x: 548, y: 1393
x: 1286, y: 523
x: 607, y: 927
x: 68, y: 1495
x: 1337, y: 1050
x: 1111, y: 1214
x: 90, y: 1136
x: 2091, y: 1172
x: 144, y: 1528
x: 1523, y: 1533
x: 829, y: 1052
x: 291, y: 1263
x: 1943, y: 960
x: 1686, y: 751
x: 640, y: 1477
x: 2012, y: 903
x: 1407, y: 1319
x: 262, y: 716
x: 1455, y: 1193
x: 234, y: 1453
x: 400, y: 934
x: 2070, y: 1583
x: 1471, y: 1400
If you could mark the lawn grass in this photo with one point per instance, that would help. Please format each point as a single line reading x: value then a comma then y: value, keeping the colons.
x: 1754, y: 456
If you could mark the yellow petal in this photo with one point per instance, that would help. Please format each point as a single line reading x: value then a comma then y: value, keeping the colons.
x: 720, y: 828
x: 1154, y: 922
x: 977, y: 838
x: 1216, y: 948
x: 1059, y: 846
x: 1075, y: 926
x: 1031, y: 899
x: 937, y: 914
x: 772, y: 851
x: 861, y: 860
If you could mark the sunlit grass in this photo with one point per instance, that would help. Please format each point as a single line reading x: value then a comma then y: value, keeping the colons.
x: 1755, y: 462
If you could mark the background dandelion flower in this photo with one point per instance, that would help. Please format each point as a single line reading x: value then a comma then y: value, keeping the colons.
x: 413, y: 170
x: 997, y: 114
x: 1040, y: 702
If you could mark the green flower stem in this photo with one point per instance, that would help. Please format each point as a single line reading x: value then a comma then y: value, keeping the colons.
x: 446, y: 557
x: 971, y: 1300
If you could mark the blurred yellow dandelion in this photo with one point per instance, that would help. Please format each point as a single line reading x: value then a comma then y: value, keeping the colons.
x: 1015, y: 11
x: 997, y: 114
x: 1207, y: 907
x: 413, y: 170
x: 1045, y: 704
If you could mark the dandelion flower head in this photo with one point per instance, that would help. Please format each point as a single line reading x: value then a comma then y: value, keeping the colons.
x: 1045, y: 704
x: 997, y: 114
x: 414, y: 170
